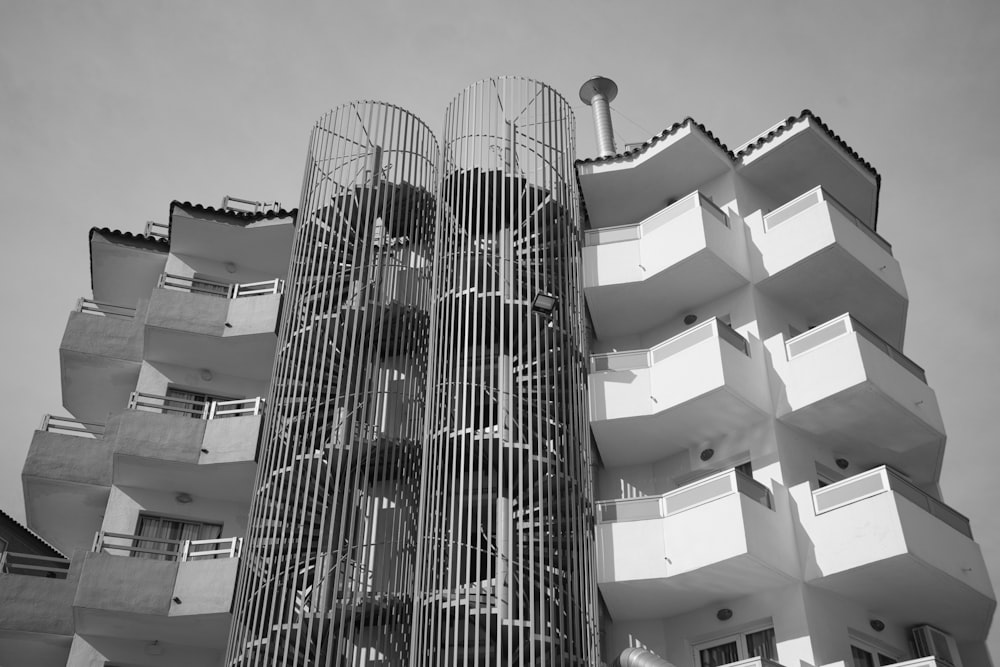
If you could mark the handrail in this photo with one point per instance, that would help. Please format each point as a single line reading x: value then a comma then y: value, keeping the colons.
x: 34, y: 565
x: 219, y: 289
x: 70, y: 426
x: 240, y: 407
x: 91, y: 307
x: 881, y: 480
x: 258, y: 206
x: 691, y: 495
x: 152, y: 227
x: 811, y: 198
x: 183, y: 550
x: 841, y: 326
x: 637, y: 230
x: 635, y: 359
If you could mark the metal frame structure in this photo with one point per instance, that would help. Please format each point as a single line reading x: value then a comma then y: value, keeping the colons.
x: 327, y: 577
x: 505, y: 572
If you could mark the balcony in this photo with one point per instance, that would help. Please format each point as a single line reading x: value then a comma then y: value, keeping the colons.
x: 67, y: 479
x: 99, y: 358
x: 850, y: 388
x: 819, y: 260
x: 695, y: 387
x: 636, y: 276
x: 208, y: 449
x: 36, y: 616
x: 178, y: 592
x: 712, y: 540
x: 879, y: 540
x: 230, y: 329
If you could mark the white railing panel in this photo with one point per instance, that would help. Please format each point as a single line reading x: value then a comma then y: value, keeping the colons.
x: 689, y: 496
x: 70, y: 426
x: 100, y: 309
x: 661, y: 218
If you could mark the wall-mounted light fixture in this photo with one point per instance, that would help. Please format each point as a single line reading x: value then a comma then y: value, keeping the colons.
x: 230, y: 267
x: 706, y: 454
x: 205, y: 375
x: 690, y: 319
x: 724, y: 614
x: 842, y: 463
x: 877, y: 625
x: 183, y: 498
x: 544, y: 304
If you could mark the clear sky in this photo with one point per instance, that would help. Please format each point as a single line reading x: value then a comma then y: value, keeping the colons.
x: 109, y: 110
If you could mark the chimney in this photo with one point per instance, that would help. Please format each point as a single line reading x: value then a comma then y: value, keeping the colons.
x: 598, y: 93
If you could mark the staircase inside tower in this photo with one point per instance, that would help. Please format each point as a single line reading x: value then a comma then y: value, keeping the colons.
x: 504, y: 588
x: 337, y: 533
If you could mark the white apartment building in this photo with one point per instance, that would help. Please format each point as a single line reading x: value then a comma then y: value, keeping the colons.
x: 765, y: 459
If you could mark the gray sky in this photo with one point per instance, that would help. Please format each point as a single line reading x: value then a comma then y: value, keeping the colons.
x: 109, y: 110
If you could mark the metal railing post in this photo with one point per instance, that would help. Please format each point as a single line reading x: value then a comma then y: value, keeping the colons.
x: 208, y: 412
x: 98, y: 541
x: 185, y: 551
x: 133, y: 399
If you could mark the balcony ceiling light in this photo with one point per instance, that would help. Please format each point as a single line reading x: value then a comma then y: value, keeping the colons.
x: 706, y: 454
x: 690, y: 319
x: 183, y: 498
x: 724, y: 614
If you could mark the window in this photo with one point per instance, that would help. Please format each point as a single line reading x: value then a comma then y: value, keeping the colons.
x: 864, y: 655
x: 205, y: 285
x: 167, y: 533
x: 733, y: 648
x: 190, y: 403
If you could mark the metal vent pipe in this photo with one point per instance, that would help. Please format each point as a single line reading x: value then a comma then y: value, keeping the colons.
x: 598, y: 93
x: 637, y: 657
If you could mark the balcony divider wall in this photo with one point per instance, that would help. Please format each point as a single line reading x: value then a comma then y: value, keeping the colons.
x: 328, y: 567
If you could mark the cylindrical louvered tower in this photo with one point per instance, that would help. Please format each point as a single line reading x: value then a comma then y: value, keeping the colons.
x: 505, y: 571
x: 327, y: 577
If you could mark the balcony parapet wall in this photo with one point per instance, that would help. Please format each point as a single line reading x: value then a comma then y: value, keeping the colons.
x: 39, y: 604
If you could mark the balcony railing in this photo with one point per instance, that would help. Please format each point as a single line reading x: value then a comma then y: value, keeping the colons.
x: 638, y: 230
x: 221, y: 290
x: 249, y: 206
x: 697, y: 493
x: 241, y: 407
x: 69, y: 426
x: 33, y: 565
x: 157, y: 230
x: 841, y: 326
x: 881, y: 480
x: 806, y: 201
x: 635, y: 359
x: 165, y: 549
x: 92, y: 307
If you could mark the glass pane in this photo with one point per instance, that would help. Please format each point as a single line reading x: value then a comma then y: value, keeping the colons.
x: 885, y: 660
x: 761, y: 644
x: 861, y: 657
x: 723, y: 654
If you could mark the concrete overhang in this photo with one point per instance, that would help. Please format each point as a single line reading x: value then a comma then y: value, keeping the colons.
x: 124, y: 267
x: 626, y: 188
x: 261, y: 242
x: 803, y: 153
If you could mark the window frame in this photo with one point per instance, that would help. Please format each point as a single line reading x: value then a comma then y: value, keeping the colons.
x: 739, y: 637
